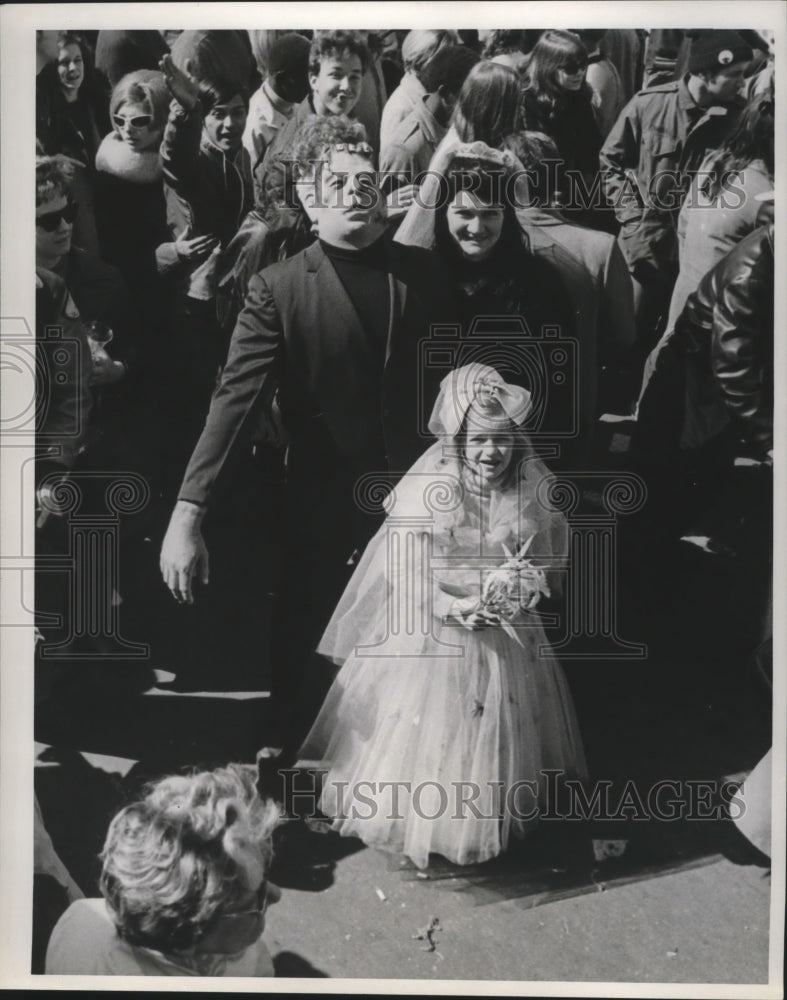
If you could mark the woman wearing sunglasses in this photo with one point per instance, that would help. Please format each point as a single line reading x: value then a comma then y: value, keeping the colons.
x: 559, y: 102
x: 132, y: 211
x: 185, y: 885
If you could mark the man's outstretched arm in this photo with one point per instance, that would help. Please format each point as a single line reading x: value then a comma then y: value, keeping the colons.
x: 256, y: 343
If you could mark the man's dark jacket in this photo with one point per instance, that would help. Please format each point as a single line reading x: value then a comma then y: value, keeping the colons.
x: 720, y: 355
x: 350, y: 406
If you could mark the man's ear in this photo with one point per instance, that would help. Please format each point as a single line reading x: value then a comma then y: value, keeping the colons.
x: 445, y: 95
x: 305, y: 188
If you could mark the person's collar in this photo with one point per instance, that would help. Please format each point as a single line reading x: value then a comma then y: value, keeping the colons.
x: 207, y: 144
x: 430, y: 126
x: 412, y: 86
x: 685, y: 100
x: 278, y: 103
x: 368, y: 250
x: 117, y: 158
x: 56, y: 266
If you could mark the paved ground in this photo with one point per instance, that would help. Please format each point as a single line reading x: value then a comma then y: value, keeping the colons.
x: 698, y: 925
x: 682, y: 901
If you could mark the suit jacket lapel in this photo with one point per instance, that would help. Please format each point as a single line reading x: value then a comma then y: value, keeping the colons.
x: 397, y: 298
x: 332, y: 307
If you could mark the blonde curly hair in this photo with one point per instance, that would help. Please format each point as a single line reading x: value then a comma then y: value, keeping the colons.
x: 184, y: 854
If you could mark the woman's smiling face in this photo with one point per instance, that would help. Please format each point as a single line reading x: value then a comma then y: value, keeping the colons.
x: 70, y: 66
x: 475, y: 226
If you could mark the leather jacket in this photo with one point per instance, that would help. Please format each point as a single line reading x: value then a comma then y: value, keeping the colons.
x: 725, y: 334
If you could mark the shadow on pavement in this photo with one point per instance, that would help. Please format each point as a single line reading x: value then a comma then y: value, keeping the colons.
x: 164, y: 733
x: 289, y: 965
x: 305, y: 858
x: 554, y: 864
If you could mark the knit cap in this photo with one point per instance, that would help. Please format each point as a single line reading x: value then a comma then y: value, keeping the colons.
x: 714, y: 50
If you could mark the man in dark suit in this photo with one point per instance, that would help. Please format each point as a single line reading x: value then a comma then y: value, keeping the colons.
x: 337, y: 328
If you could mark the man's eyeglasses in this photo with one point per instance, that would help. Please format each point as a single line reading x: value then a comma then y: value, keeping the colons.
x: 50, y: 221
x: 257, y: 911
x: 135, y: 121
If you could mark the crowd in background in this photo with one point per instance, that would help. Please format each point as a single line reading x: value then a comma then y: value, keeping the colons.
x: 167, y: 179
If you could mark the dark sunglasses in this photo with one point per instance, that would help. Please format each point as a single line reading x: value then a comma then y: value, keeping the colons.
x: 136, y: 121
x: 574, y: 67
x: 50, y: 221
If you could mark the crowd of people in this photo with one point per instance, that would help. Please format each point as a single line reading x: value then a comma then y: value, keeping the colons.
x: 340, y: 265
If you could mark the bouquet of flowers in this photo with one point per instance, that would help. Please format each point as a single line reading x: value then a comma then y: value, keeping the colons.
x: 517, y: 584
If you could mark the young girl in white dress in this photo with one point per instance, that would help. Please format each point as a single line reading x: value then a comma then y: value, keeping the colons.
x: 449, y: 706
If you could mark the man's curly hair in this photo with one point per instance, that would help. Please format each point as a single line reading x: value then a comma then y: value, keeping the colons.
x: 53, y: 178
x: 327, y: 44
x: 320, y: 133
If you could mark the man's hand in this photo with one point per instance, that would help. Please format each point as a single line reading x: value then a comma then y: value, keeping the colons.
x: 400, y: 200
x: 183, y: 552
x: 181, y: 86
x: 194, y: 248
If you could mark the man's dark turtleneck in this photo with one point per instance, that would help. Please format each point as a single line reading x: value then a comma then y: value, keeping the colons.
x: 364, y: 275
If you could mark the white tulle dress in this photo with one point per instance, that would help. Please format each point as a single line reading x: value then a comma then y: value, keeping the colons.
x: 462, y: 723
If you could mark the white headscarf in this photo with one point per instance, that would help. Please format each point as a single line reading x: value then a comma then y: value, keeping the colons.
x: 461, y: 387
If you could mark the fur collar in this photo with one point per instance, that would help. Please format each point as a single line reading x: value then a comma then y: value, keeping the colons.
x: 117, y: 158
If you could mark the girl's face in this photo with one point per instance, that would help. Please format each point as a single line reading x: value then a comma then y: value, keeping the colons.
x: 489, y: 446
x: 571, y: 75
x: 70, y: 67
x: 475, y: 226
x: 134, y: 124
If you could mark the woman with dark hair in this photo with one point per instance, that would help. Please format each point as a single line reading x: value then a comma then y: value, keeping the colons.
x: 70, y: 129
x: 721, y: 206
x: 476, y: 232
x: 474, y: 227
x: 80, y: 139
x: 559, y: 102
x: 487, y: 111
x: 478, y: 235
x: 506, y: 47
x: 488, y: 108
